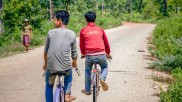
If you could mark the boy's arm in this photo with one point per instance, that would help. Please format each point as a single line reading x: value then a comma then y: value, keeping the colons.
x: 106, y: 43
x: 74, y: 54
x: 45, y: 61
x: 82, y: 43
x: 45, y: 52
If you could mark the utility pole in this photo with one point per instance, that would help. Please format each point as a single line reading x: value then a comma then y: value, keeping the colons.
x: 140, y: 6
x: 51, y: 9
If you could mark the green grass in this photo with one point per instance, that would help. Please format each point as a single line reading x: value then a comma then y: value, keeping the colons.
x: 11, y: 49
x: 162, y: 79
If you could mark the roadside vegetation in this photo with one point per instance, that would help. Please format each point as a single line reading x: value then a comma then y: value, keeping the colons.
x: 167, y: 38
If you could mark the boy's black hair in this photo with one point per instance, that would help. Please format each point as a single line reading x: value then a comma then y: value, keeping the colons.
x: 90, y: 16
x: 63, y: 15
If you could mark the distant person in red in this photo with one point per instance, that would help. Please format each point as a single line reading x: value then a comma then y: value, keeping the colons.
x: 94, y: 45
x: 26, y: 34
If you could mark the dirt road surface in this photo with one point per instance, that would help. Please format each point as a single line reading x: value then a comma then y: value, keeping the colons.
x: 128, y: 78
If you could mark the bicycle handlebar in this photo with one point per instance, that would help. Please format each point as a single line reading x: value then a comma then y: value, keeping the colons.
x: 82, y: 57
x: 77, y: 71
x: 109, y: 58
x: 44, y: 73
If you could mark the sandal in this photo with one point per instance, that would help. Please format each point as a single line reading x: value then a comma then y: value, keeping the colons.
x: 85, y: 92
x: 104, y: 85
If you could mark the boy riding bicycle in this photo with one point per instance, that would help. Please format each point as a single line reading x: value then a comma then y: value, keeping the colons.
x: 60, y: 42
x: 94, y: 45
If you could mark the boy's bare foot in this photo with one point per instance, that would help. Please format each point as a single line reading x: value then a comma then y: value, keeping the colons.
x: 69, y: 98
x: 104, y: 85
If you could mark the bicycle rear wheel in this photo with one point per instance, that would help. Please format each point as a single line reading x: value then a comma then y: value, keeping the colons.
x: 94, y: 94
x: 95, y: 89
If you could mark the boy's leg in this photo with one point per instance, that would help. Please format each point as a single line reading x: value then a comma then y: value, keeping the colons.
x: 49, y: 86
x: 104, y: 71
x: 68, y: 82
x: 88, y: 67
x: 104, y: 67
x: 67, y: 86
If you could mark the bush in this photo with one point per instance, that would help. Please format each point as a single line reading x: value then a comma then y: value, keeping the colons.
x: 173, y: 94
x: 77, y: 22
x: 168, y: 49
x: 137, y: 17
x: 45, y: 27
x: 166, y: 34
x: 177, y: 74
x: 168, y: 43
x: 37, y: 38
x: 168, y: 62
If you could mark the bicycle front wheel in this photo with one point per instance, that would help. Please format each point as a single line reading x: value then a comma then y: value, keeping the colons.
x: 59, y: 95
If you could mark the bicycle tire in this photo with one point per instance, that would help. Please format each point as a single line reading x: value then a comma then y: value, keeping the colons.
x: 62, y: 95
x: 97, y: 83
x: 95, y: 89
x: 59, y: 95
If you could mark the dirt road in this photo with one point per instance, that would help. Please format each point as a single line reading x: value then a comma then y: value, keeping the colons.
x: 128, y: 78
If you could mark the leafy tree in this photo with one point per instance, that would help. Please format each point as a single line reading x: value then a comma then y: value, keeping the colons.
x: 17, y: 10
x: 175, y: 6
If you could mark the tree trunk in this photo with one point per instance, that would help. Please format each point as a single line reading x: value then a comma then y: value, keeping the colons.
x: 177, y: 8
x: 130, y: 7
x: 66, y: 6
x: 51, y: 9
x: 96, y: 4
x: 1, y: 4
x: 102, y: 7
x: 140, y: 6
x: 165, y: 8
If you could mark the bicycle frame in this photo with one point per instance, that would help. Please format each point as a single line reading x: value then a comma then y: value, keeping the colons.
x: 59, y: 93
x: 95, y: 82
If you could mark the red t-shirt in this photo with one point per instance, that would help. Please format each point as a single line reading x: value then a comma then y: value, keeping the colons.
x: 93, y: 40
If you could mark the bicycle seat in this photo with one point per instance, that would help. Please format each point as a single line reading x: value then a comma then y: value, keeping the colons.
x: 95, y: 61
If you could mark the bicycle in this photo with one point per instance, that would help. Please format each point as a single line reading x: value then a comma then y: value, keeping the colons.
x: 59, y: 92
x: 95, y: 77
